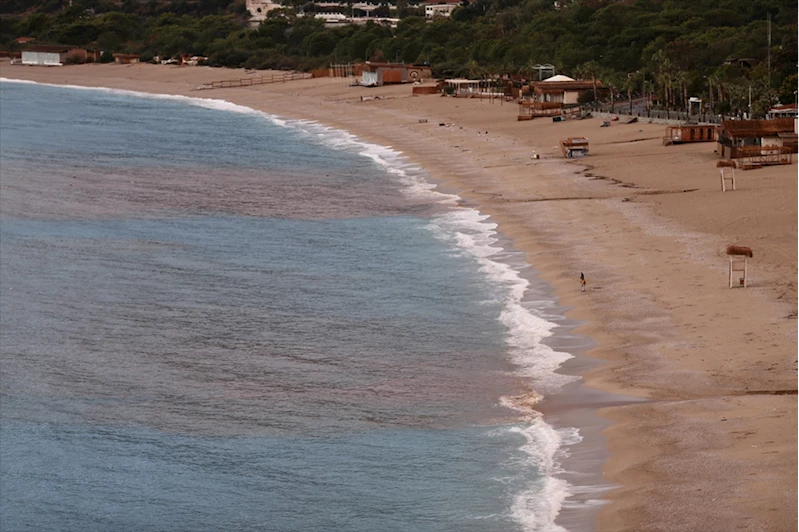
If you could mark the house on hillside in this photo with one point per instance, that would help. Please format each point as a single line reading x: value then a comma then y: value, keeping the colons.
x: 741, y: 62
x: 258, y: 10
x: 379, y: 74
x: 439, y: 8
x: 757, y: 139
x: 25, y: 40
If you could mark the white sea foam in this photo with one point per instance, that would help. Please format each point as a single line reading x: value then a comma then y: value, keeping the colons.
x: 471, y: 232
x: 537, y: 506
x: 411, y: 177
x: 474, y: 234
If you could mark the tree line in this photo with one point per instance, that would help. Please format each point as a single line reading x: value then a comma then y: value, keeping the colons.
x: 673, y: 49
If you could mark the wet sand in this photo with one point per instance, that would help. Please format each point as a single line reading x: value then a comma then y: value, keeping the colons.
x: 714, y: 444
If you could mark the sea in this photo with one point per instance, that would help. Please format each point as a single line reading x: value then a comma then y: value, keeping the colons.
x: 212, y: 318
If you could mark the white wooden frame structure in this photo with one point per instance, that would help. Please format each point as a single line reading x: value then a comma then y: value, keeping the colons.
x: 727, y: 177
x: 739, y: 263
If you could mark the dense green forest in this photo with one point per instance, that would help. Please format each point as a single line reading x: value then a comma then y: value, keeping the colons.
x: 674, y: 47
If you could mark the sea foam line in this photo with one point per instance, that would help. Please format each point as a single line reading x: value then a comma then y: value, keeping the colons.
x: 536, y: 506
x: 470, y: 231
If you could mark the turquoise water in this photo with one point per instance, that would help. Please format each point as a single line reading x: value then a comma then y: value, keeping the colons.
x: 213, y: 319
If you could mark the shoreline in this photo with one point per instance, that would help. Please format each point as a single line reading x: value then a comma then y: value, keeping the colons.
x: 656, y: 304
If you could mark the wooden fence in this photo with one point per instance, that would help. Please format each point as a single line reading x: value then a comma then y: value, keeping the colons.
x: 249, y: 82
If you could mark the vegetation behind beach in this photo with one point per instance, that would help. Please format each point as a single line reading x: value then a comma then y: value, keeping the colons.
x: 672, y: 48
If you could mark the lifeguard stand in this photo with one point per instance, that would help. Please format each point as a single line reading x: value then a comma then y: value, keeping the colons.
x: 736, y: 253
x: 727, y: 176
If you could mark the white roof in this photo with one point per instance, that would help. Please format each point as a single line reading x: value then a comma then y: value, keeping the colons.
x: 559, y: 77
x: 330, y: 16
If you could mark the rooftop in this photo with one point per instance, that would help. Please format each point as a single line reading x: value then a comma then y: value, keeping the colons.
x: 756, y: 128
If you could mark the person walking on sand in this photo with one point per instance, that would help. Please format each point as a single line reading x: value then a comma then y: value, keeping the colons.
x: 582, y: 282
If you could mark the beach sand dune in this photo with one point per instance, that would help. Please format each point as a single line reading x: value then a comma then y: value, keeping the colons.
x: 714, y: 446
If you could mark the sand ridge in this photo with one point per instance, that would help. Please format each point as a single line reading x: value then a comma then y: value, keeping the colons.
x: 714, y: 447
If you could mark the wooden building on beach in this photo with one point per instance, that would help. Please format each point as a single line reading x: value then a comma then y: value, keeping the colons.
x: 126, y: 59
x: 556, y: 96
x: 379, y: 74
x: 57, y: 55
x: 764, y: 141
x: 45, y: 55
x: 689, y: 133
x: 563, y: 89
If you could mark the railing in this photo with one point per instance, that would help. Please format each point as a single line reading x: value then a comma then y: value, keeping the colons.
x: 622, y: 108
x: 249, y: 82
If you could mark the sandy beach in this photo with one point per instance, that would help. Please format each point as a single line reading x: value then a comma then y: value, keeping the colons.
x: 711, y: 442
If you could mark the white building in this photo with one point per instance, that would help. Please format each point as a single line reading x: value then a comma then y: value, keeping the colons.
x: 45, y: 55
x: 332, y: 18
x: 439, y: 10
x: 258, y: 10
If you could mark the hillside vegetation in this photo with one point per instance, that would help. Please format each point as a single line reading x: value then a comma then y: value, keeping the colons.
x: 676, y: 47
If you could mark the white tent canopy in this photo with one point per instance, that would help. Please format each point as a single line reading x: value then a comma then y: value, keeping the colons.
x: 559, y: 77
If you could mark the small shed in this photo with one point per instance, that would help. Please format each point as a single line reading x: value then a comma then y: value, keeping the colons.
x: 574, y: 147
x: 126, y: 59
x: 689, y: 133
x: 379, y: 74
x: 45, y: 55
x: 751, y: 138
x: 83, y: 55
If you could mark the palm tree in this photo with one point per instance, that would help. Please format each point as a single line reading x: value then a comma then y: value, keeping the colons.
x: 679, y: 80
x: 475, y: 69
x: 591, y: 67
x: 664, y: 77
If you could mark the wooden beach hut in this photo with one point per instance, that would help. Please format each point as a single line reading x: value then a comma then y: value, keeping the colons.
x: 45, y: 55
x: 379, y: 74
x: 126, y: 59
x: 761, y: 141
x: 689, y: 133
x: 574, y: 147
x: 529, y: 110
